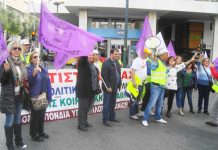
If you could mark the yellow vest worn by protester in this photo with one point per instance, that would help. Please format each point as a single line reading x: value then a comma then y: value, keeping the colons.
x: 215, y: 87
x: 131, y: 89
x: 27, y: 61
x: 159, y: 75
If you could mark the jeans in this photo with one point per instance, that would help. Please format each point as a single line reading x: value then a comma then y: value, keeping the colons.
x: 146, y: 97
x: 109, y: 102
x: 179, y: 98
x: 188, y: 91
x: 156, y: 97
x: 203, y: 93
x: 11, y: 119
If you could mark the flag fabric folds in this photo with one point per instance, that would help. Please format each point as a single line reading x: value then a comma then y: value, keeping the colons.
x: 145, y: 34
x: 3, y: 47
x: 64, y: 38
x: 215, y: 62
x: 171, y: 50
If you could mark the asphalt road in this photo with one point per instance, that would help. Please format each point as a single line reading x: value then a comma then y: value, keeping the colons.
x: 181, y: 133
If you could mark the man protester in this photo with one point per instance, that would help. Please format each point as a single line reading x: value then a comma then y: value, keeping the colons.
x: 157, y: 89
x: 111, y: 81
x: 97, y: 62
x: 25, y: 55
x: 120, y: 58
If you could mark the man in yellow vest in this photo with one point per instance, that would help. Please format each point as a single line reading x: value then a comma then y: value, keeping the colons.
x: 25, y: 55
x: 97, y: 62
x: 120, y: 58
x: 157, y: 87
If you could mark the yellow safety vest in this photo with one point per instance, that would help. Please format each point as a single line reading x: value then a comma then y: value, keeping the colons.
x: 159, y: 75
x: 130, y: 88
x: 27, y: 61
x: 100, y: 64
x: 215, y: 87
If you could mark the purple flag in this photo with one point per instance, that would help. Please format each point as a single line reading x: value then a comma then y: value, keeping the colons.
x: 170, y: 49
x: 3, y: 48
x: 63, y: 37
x: 145, y: 34
x: 60, y: 60
x: 215, y: 62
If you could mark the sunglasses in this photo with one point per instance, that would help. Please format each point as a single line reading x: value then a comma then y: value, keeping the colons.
x: 16, y: 48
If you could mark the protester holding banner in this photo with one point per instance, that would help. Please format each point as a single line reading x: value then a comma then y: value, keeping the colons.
x: 214, y: 114
x: 172, y: 83
x: 39, y: 83
x: 87, y: 86
x: 204, y: 79
x: 13, y: 78
x: 111, y: 82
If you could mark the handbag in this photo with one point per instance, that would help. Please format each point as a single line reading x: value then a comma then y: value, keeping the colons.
x: 210, y: 82
x: 39, y: 102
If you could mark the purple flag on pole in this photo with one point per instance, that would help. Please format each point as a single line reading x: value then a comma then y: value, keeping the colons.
x: 170, y: 49
x: 215, y: 62
x: 63, y: 37
x: 145, y: 34
x: 3, y: 47
x: 61, y: 59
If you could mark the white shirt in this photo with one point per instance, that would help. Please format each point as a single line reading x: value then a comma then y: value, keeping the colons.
x: 172, y: 76
x: 140, y: 67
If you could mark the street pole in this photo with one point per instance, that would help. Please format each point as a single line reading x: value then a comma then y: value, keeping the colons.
x: 126, y: 33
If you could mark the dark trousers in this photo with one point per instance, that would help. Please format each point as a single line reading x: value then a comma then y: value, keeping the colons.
x: 109, y: 102
x: 188, y: 91
x: 203, y: 94
x: 37, y: 122
x: 85, y: 105
x: 146, y: 97
x: 171, y: 94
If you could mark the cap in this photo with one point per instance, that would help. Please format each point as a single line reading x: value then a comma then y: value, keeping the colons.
x: 161, y: 51
x: 24, y: 41
x: 146, y: 50
x: 95, y: 51
x: 120, y: 51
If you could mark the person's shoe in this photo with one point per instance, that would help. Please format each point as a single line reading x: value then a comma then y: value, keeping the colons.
x: 161, y: 121
x: 151, y: 113
x: 199, y: 111
x: 206, y: 112
x: 83, y: 128
x: 114, y: 120
x: 180, y: 112
x: 145, y: 123
x: 134, y: 117
x: 106, y: 124
x: 168, y: 114
x: 37, y: 139
x: 140, y: 114
x: 89, y: 125
x: 21, y: 145
x: 192, y: 111
x: 211, y: 124
x: 44, y: 135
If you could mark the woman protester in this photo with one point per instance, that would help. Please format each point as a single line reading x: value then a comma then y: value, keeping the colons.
x: 189, y: 81
x: 39, y: 84
x: 204, y: 78
x: 87, y: 86
x: 13, y: 78
x: 172, y: 84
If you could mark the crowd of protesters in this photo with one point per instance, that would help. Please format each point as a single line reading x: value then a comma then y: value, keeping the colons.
x: 154, y: 77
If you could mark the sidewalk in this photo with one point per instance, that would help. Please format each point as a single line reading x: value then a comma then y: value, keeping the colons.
x: 181, y: 133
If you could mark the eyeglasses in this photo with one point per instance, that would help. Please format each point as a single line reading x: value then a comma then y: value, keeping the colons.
x: 35, y: 57
x: 16, y: 48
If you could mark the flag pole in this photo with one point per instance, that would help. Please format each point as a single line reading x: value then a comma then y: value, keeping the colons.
x: 104, y: 83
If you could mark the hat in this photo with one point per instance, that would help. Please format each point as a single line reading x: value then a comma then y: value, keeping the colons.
x: 161, y: 51
x: 95, y: 51
x: 146, y: 50
x: 24, y: 42
x: 120, y: 51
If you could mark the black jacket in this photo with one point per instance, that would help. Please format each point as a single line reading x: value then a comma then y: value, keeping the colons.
x: 7, y: 103
x: 84, y: 83
x: 108, y: 74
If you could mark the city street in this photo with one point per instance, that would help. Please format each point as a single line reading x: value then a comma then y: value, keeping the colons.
x: 181, y: 133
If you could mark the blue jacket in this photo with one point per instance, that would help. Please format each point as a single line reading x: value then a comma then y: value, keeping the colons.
x: 202, y: 75
x: 40, y: 83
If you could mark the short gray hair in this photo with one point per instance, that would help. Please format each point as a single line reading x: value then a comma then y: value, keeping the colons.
x: 11, y: 45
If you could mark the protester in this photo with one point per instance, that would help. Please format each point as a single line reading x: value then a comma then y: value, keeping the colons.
x: 13, y: 78
x: 87, y: 86
x: 189, y: 82
x: 25, y: 55
x: 97, y: 62
x: 171, y: 84
x: 120, y: 58
x: 214, y: 114
x: 139, y: 73
x: 204, y: 77
x: 39, y: 83
x: 157, y: 89
x: 111, y: 82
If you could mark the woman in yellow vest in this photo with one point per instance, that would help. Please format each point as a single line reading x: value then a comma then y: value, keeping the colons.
x: 214, y: 114
x: 157, y: 89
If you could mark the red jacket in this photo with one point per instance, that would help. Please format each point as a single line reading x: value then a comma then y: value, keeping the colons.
x: 214, y: 72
